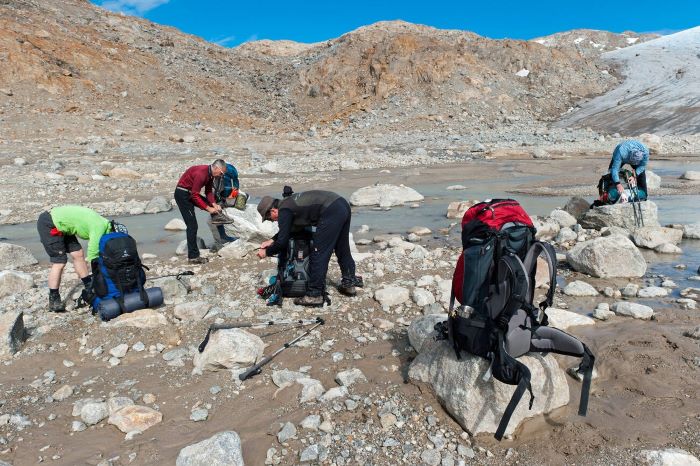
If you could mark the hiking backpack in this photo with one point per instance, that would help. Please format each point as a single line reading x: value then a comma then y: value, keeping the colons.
x: 494, y: 283
x: 607, y: 191
x: 293, y: 274
x: 117, y: 270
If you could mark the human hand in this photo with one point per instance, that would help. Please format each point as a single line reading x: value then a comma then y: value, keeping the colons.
x: 620, y: 189
x: 266, y: 243
x: 632, y: 181
x: 262, y: 253
x: 217, y: 207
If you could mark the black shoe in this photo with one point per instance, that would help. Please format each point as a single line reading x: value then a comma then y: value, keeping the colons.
x: 55, y: 304
x: 357, y: 281
x: 198, y: 260
x: 221, y: 219
x: 347, y: 287
x: 311, y: 301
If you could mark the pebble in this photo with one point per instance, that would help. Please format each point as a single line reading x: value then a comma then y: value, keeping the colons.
x: 287, y: 432
x: 199, y: 414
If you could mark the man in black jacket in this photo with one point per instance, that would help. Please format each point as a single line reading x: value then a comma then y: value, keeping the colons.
x: 330, y: 214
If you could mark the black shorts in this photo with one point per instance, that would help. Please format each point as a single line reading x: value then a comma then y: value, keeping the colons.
x: 56, y: 247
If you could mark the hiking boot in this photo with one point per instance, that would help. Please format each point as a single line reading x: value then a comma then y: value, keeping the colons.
x: 221, y: 219
x: 347, y: 287
x: 55, y: 304
x: 198, y: 260
x: 311, y: 301
x: 357, y: 281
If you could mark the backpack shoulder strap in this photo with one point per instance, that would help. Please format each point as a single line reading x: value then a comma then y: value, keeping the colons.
x: 522, y: 374
x: 547, y: 252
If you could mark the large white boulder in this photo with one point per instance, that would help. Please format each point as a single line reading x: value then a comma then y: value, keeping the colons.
x: 13, y: 256
x: 563, y: 218
x: 477, y: 405
x: 668, y: 457
x: 691, y: 231
x: 222, y: 449
x: 158, y: 204
x: 12, y: 281
x: 607, y: 256
x: 691, y: 175
x: 563, y: 319
x: 580, y: 288
x: 391, y: 296
x: 638, y: 311
x: 619, y: 215
x: 547, y: 228
x: 248, y: 224
x: 384, y: 195
x: 653, y: 181
x: 176, y: 224
x: 652, y: 237
x: 229, y: 348
x: 237, y: 249
x: 423, y: 329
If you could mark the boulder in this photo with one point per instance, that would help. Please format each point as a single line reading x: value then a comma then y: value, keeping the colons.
x: 609, y: 231
x: 691, y: 175
x: 651, y: 237
x: 13, y: 256
x: 174, y: 290
x: 423, y: 329
x: 563, y: 218
x: 566, y: 234
x: 391, y: 296
x: 93, y: 412
x: 12, y: 282
x: 135, y: 418
x: 477, y: 405
x: 384, y: 195
x: 563, y: 319
x: 143, y: 318
x: 229, y: 348
x: 158, y: 204
x: 638, y: 311
x: 652, y: 292
x: 619, y: 215
x: 237, y: 249
x: 122, y: 173
x: 221, y: 449
x: 457, y: 209
x: 420, y: 231
x: 350, y: 377
x: 577, y: 206
x: 192, y: 311
x: 668, y: 457
x: 579, y: 288
x: 423, y: 297
x: 609, y: 256
x: 12, y: 332
x: 547, y: 228
x: 653, y: 181
x: 176, y: 224
x: 691, y: 231
x: 248, y: 224
x: 653, y: 143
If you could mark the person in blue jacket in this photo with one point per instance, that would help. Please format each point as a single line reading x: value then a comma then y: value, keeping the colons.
x: 635, y: 154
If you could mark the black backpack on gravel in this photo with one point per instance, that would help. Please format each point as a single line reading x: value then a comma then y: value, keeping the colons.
x: 494, y: 282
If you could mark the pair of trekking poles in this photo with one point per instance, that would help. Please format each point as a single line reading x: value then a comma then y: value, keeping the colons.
x: 257, y: 368
x: 635, y: 201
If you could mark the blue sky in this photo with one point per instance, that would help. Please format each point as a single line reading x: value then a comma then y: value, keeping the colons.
x: 231, y: 22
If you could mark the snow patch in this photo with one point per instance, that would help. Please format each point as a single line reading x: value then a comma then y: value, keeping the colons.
x: 523, y: 73
x: 632, y: 40
x: 578, y: 40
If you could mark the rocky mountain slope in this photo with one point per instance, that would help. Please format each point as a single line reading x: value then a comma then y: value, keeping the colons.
x: 660, y: 92
x: 67, y: 66
x: 591, y: 42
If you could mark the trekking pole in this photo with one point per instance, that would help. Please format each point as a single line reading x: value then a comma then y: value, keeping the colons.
x: 72, y: 290
x: 634, y: 207
x: 215, y: 327
x: 176, y: 275
x: 257, y: 367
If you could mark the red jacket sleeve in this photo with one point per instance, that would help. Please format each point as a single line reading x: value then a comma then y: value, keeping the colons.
x: 198, y: 181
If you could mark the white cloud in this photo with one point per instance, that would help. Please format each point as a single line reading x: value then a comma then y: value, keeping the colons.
x: 225, y: 41
x: 252, y: 38
x: 132, y: 7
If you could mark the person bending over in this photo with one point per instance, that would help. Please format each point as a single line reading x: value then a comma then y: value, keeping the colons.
x: 636, y: 155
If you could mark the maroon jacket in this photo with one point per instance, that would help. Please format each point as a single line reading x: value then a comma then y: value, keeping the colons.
x: 193, y: 180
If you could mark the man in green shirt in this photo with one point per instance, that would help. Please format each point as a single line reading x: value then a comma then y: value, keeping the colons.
x: 59, y: 231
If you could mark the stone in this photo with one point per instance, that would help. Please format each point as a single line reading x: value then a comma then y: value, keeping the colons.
x: 603, y: 313
x: 119, y: 351
x: 135, y: 417
x: 65, y: 392
x: 238, y: 249
x: 12, y: 332
x: 430, y: 457
x: 609, y: 231
x: 349, y: 165
x: 577, y: 206
x: 248, y: 224
x: 563, y: 319
x: 619, y: 215
x: 287, y: 432
x: 382, y: 324
x: 563, y: 218
x: 350, y: 377
x: 12, y: 282
x: 653, y: 181
x: 192, y: 311
x: 93, y: 412
x: 691, y: 175
x: 566, y: 234
x: 199, y: 415
x: 174, y: 290
x: 122, y: 173
x: 311, y: 422
x: 457, y: 209
x: 143, y: 318
x: 422, y: 329
x: 651, y: 237
x: 229, y: 348
x: 13, y: 256
x: 547, y: 228
x: 285, y: 377
x: 76, y: 426
x: 312, y: 453
x: 653, y: 143
x: 691, y: 231
x: 478, y: 405
x: 605, y: 257
x: 652, y: 292
x: 420, y: 231
x: 668, y: 457
x: 668, y: 248
x: 391, y: 296
x: 456, y: 187
x: 158, y: 204
x: 630, y: 290
x: 116, y: 403
x: 694, y: 334
x: 579, y: 288
x: 311, y: 390
x: 221, y: 449
x: 638, y: 311
x: 384, y: 195
x: 422, y: 297
x: 176, y: 224
x: 334, y: 393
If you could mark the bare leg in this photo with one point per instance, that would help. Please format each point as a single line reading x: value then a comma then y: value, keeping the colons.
x: 79, y: 263
x: 55, y: 276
